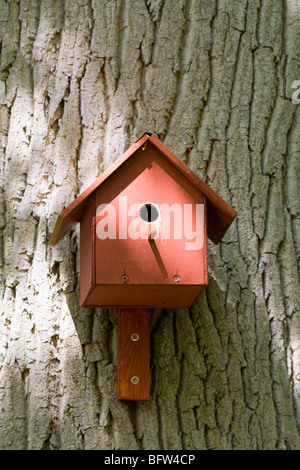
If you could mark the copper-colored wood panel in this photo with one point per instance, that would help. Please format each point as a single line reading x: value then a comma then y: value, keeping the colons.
x: 155, y: 180
x: 133, y: 354
x: 151, y: 296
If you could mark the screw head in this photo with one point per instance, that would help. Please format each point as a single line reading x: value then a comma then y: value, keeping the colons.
x: 124, y: 278
x: 134, y: 380
x: 176, y: 278
x: 135, y: 337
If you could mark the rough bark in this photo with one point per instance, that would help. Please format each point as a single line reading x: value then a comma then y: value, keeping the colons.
x: 80, y: 81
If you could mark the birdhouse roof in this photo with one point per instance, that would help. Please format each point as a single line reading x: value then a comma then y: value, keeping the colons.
x: 219, y: 213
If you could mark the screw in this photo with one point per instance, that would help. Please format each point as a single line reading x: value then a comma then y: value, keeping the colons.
x: 176, y: 278
x: 125, y: 278
x: 135, y: 337
x: 134, y: 380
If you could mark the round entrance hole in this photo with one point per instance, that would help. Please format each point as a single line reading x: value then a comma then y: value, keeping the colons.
x: 149, y: 212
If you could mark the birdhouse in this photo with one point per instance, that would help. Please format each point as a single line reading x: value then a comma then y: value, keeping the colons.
x: 144, y: 225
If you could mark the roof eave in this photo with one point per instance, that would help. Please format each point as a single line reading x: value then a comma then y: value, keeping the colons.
x: 71, y: 215
x: 220, y: 213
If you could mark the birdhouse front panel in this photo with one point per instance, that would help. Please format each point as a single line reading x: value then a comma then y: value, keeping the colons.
x: 145, y: 237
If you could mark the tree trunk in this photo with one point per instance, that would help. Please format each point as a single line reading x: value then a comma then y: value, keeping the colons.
x: 80, y: 81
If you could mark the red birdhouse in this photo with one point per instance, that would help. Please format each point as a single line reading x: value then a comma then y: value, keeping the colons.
x: 144, y: 225
x: 143, y: 230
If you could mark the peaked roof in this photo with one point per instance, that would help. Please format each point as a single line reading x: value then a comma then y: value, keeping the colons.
x: 219, y: 214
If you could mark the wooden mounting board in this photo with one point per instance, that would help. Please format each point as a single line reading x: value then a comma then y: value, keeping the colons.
x: 133, y: 354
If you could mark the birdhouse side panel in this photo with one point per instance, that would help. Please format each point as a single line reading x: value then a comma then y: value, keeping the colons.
x: 87, y: 250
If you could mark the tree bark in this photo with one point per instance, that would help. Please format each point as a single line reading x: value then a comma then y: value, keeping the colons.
x: 80, y: 81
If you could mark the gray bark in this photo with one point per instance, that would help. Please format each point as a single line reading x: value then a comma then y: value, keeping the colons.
x: 80, y: 81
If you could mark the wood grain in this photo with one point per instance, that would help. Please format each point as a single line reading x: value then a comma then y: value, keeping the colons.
x: 133, y: 354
